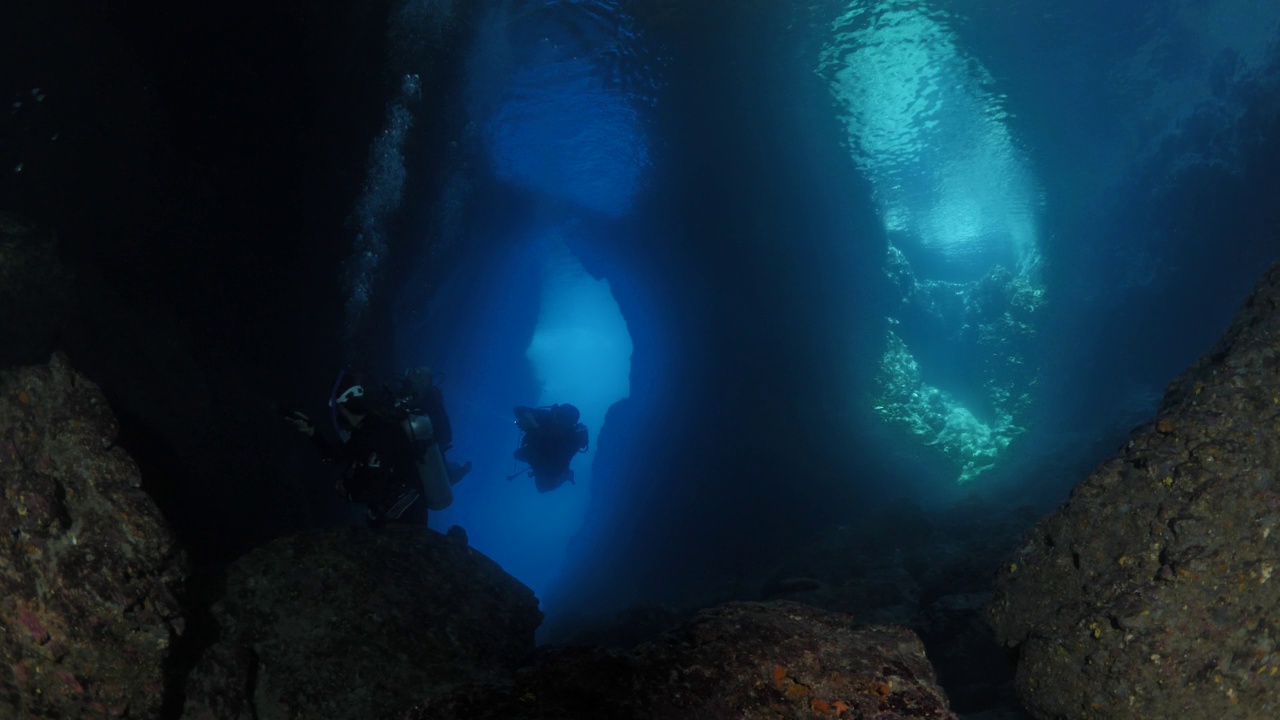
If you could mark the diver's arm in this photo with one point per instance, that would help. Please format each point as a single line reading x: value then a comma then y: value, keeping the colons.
x: 526, y: 418
x: 329, y: 451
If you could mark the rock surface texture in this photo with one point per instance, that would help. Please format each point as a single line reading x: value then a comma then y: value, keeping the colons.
x: 361, y: 624
x: 740, y: 660
x: 87, y: 565
x: 1150, y: 592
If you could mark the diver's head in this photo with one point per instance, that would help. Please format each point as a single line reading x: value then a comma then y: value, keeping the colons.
x: 351, y: 404
x: 567, y: 414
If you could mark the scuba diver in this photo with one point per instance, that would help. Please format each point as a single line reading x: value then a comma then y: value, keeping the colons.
x: 391, y: 448
x: 552, y: 436
x: 420, y: 395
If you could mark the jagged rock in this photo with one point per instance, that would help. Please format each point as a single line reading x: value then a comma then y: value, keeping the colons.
x: 357, y: 623
x: 738, y: 660
x: 87, y: 565
x: 1149, y: 594
x: 35, y: 292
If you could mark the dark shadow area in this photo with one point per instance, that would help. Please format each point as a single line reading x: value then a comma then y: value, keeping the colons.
x: 205, y: 587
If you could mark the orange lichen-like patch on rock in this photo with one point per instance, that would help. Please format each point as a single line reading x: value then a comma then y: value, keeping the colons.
x: 778, y: 660
x: 833, y: 709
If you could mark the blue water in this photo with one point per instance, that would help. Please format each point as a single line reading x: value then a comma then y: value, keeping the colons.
x: 1060, y: 192
x: 577, y: 350
x: 927, y: 125
x: 560, y: 112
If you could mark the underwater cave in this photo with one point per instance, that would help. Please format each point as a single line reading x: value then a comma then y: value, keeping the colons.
x: 848, y: 295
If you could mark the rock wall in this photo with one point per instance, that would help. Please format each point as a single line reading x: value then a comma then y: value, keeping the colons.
x: 87, y: 564
x: 359, y: 624
x: 1149, y: 593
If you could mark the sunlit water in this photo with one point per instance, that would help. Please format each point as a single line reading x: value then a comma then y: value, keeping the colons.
x: 927, y: 128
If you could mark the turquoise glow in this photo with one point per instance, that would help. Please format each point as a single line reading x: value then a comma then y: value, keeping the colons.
x: 960, y: 208
x: 929, y: 132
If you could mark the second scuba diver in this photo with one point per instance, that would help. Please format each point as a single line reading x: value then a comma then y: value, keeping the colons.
x: 552, y: 436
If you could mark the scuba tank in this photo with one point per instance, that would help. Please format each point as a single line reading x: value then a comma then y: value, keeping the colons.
x: 432, y: 475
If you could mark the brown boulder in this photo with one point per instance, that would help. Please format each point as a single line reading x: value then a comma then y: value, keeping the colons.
x: 749, y: 661
x: 358, y: 624
x: 1150, y: 593
x: 87, y: 564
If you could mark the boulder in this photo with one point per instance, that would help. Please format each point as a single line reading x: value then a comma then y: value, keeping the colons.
x: 1149, y: 593
x: 737, y: 660
x: 87, y: 564
x: 356, y: 623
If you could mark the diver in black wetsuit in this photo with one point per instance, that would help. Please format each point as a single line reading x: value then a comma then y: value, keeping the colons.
x: 392, y: 463
x: 552, y: 436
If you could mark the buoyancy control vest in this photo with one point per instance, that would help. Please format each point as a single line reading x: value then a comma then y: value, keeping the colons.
x: 433, y: 476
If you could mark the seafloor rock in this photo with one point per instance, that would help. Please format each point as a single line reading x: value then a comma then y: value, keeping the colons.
x: 739, y: 660
x: 355, y: 623
x: 35, y: 292
x: 86, y: 562
x: 1149, y: 594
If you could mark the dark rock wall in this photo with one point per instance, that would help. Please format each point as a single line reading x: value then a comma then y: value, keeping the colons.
x: 353, y: 623
x: 1150, y: 592
x: 88, y: 568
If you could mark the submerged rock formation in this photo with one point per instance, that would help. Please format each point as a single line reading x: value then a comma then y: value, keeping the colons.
x: 1150, y: 593
x: 87, y: 564
x: 354, y: 624
x: 741, y: 660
